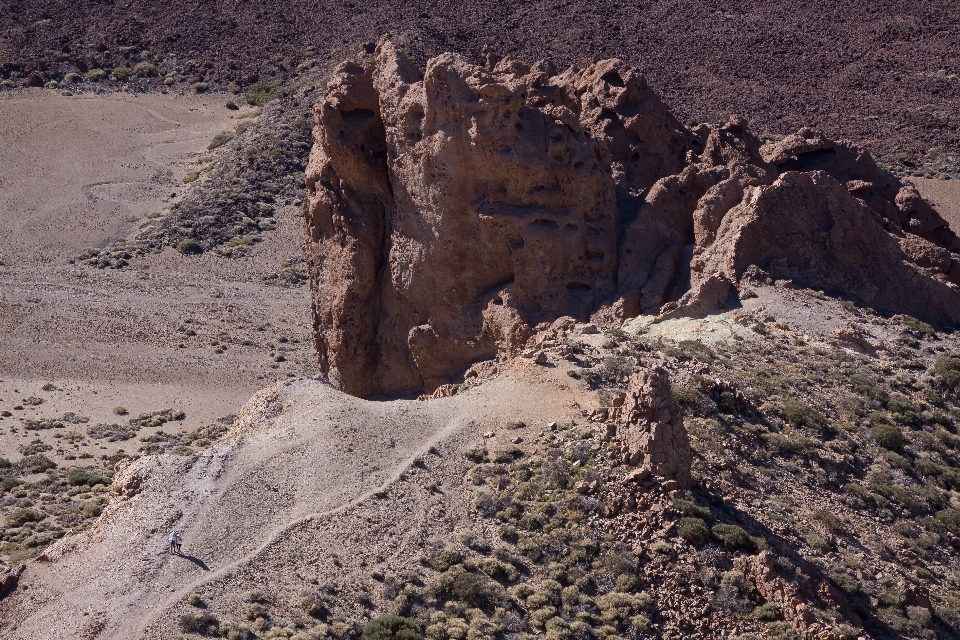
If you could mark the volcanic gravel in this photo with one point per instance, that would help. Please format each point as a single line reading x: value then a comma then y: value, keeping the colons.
x: 881, y: 73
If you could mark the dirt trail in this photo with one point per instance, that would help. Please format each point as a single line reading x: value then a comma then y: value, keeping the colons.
x: 320, y: 473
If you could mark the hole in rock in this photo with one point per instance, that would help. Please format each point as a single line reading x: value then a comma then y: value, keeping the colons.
x: 579, y: 287
x: 612, y: 78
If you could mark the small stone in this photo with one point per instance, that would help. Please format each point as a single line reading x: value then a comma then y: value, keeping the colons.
x: 488, y: 434
x: 231, y: 106
x: 516, y: 440
x: 552, y: 426
x: 638, y: 475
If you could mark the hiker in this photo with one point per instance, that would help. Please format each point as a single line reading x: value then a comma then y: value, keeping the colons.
x: 179, y: 542
x: 173, y: 541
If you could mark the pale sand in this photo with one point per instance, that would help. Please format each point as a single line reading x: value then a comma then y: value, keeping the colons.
x: 85, y: 171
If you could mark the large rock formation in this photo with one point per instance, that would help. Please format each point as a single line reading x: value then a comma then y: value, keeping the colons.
x: 451, y: 212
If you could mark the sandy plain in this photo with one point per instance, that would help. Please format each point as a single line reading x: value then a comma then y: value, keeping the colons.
x: 199, y: 334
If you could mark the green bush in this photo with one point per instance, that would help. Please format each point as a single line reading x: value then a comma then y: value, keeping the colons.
x: 189, y: 246
x: 767, y: 612
x: 800, y: 414
x: 23, y: 516
x: 887, y: 436
x: 81, y: 477
x: 145, y: 70
x: 220, y: 139
x: 733, y: 537
x: 95, y: 75
x: 694, y: 531
x: 919, y: 326
x: 692, y: 509
x: 122, y: 74
x: 950, y: 518
x: 262, y: 93
x: 392, y: 627
x: 947, y: 370
x: 846, y: 582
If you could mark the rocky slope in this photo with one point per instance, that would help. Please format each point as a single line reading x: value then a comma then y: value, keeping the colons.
x: 884, y: 72
x: 451, y: 212
x: 823, y: 498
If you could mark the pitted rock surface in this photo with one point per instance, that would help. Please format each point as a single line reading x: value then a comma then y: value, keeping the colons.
x: 453, y: 211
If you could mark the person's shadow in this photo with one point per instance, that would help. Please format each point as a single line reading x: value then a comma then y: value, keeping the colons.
x: 197, y: 561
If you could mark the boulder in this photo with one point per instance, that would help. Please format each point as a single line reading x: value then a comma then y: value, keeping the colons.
x: 10, y: 578
x: 652, y: 431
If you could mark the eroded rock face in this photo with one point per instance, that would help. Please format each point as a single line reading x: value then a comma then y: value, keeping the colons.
x: 651, y: 430
x: 452, y: 212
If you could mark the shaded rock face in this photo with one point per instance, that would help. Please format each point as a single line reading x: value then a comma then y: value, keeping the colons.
x: 452, y: 212
x: 652, y: 431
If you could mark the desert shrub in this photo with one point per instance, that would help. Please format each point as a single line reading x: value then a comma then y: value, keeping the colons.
x: 507, y: 455
x: 315, y: 607
x: 189, y: 246
x: 445, y: 558
x: 81, y: 477
x: 23, y: 516
x: 733, y: 537
x: 801, y: 414
x: 947, y: 371
x: 693, y: 530
x: 120, y: 411
x: 457, y: 583
x: 478, y: 454
x: 261, y: 93
x: 846, y: 582
x: 919, y: 326
x: 9, y: 483
x: 949, y: 518
x: 203, y: 623
x: 554, y: 471
x: 95, y: 75
x: 887, y: 436
x: 145, y: 70
x: 199, y: 87
x: 194, y: 600
x: 37, y: 463
x: 5, y: 463
x: 122, y: 73
x: 692, y: 509
x: 788, y: 445
x: 221, y: 139
x: 767, y: 611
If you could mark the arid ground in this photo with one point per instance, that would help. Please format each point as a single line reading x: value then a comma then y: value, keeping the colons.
x: 197, y: 334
